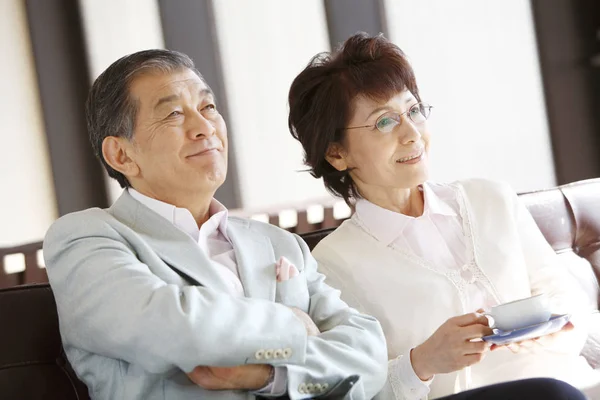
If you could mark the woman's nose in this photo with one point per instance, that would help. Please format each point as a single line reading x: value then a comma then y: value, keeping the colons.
x: 409, y: 131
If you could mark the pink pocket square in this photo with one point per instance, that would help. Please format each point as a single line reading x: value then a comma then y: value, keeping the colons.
x: 285, y: 270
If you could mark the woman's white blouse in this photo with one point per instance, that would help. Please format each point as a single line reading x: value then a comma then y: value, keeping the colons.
x: 474, y: 246
x: 435, y: 239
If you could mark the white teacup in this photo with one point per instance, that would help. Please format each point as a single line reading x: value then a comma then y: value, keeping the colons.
x: 520, y: 313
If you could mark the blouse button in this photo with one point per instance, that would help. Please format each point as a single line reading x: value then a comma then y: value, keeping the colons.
x: 467, y: 276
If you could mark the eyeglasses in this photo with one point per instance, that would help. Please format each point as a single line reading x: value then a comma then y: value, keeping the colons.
x: 418, y: 114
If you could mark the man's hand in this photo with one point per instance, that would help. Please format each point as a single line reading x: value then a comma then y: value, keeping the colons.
x: 242, y: 377
x: 311, y: 328
x: 535, y: 343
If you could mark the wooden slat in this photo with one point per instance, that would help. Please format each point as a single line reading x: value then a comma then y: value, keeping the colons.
x: 33, y: 272
x: 329, y: 220
x: 303, y: 225
x: 274, y: 219
x: 9, y: 280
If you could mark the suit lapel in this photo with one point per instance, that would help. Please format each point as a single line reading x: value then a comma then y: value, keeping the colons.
x: 173, y: 246
x: 255, y: 260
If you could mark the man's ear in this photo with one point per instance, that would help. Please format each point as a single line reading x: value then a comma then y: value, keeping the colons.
x: 336, y: 156
x: 117, y: 152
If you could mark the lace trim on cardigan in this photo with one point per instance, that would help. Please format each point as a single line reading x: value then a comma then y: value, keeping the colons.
x: 469, y: 226
x: 470, y: 272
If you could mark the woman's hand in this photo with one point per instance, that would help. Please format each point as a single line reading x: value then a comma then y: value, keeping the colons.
x: 535, y: 343
x: 451, y: 348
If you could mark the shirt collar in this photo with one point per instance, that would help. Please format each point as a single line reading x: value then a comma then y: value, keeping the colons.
x: 434, y: 202
x: 183, y: 219
x: 386, y: 225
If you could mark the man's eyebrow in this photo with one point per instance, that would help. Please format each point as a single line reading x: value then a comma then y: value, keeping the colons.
x: 167, y: 99
x: 206, y: 92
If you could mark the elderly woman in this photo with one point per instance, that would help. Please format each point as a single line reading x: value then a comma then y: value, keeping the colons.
x: 424, y: 257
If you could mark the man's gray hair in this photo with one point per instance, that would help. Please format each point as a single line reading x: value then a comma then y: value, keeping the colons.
x: 110, y: 110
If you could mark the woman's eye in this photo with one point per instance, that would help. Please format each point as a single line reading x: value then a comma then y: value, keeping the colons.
x: 210, y: 107
x: 416, y: 110
x: 175, y: 113
x: 385, y: 124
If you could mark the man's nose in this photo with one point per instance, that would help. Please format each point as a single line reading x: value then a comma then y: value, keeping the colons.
x: 199, y: 126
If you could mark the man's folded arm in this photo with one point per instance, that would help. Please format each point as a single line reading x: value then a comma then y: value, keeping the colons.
x: 111, y: 304
x: 350, y: 343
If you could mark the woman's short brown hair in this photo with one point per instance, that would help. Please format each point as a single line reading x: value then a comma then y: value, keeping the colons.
x: 321, y: 98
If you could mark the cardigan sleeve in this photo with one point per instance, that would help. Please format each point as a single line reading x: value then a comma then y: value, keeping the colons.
x: 404, y: 382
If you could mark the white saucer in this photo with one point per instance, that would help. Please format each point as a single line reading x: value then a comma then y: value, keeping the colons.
x: 554, y: 324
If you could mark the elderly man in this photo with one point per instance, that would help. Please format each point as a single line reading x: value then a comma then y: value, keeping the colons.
x: 163, y: 295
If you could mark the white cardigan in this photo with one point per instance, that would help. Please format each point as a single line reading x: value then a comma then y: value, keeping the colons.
x: 411, y: 299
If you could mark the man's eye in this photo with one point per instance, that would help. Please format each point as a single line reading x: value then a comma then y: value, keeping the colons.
x: 210, y: 107
x: 175, y: 114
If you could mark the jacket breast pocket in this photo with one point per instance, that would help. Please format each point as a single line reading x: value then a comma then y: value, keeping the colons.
x: 294, y: 292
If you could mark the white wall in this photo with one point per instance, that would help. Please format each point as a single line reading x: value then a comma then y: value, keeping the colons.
x: 264, y: 44
x: 27, y: 201
x: 476, y: 63
x: 113, y: 29
x: 463, y: 51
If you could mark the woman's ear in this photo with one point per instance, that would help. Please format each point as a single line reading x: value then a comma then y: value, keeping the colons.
x: 336, y: 156
x: 117, y: 153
